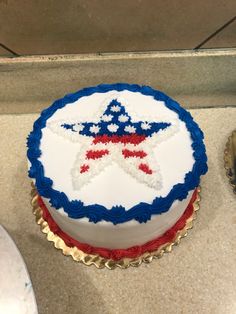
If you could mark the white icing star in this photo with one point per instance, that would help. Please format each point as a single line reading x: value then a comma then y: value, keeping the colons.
x: 145, y: 126
x: 78, y: 127
x: 123, y: 118
x: 130, y: 129
x: 106, y: 117
x: 112, y: 127
x: 115, y: 108
x: 94, y: 129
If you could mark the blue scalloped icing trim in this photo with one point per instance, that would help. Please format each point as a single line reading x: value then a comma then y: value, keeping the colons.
x: 141, y: 212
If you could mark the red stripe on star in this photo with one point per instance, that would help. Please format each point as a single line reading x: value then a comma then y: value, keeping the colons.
x: 84, y: 168
x: 145, y: 168
x: 133, y: 153
x: 124, y: 139
x: 96, y: 154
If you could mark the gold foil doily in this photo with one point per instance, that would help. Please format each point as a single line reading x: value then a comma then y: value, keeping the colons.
x: 230, y: 160
x: 98, y: 261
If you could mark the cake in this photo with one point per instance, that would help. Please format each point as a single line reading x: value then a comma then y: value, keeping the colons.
x: 116, y: 168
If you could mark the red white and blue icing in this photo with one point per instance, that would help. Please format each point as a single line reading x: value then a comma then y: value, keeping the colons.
x: 115, y: 136
x: 116, y: 121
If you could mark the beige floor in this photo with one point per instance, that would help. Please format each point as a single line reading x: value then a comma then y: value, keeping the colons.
x: 199, y: 276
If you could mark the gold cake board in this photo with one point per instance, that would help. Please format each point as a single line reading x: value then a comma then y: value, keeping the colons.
x: 97, y: 260
x: 230, y: 160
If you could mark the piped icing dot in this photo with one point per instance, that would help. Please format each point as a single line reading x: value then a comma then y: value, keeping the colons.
x: 78, y: 127
x: 123, y: 118
x: 84, y: 168
x: 130, y: 129
x: 107, y: 117
x: 94, y: 129
x: 112, y: 127
x: 145, y: 126
x: 115, y: 108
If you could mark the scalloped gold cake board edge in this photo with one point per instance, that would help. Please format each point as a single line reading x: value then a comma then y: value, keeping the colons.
x: 229, y: 160
x: 98, y: 261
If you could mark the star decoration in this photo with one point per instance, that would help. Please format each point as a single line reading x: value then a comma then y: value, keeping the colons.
x: 115, y: 138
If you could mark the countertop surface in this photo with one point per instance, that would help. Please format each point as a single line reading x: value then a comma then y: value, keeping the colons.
x: 199, y: 276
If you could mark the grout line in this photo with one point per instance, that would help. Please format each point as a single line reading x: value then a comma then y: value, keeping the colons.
x: 211, y: 107
x: 9, y: 50
x: 202, y: 49
x: 215, y: 33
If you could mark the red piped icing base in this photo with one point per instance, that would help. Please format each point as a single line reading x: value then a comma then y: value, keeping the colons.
x: 118, y: 254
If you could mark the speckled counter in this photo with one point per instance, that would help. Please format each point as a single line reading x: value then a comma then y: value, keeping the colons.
x: 199, y: 276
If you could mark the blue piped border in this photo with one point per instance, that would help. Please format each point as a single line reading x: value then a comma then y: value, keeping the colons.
x: 141, y: 212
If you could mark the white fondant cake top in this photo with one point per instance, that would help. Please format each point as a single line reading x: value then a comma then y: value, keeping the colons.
x: 116, y: 153
x: 112, y: 179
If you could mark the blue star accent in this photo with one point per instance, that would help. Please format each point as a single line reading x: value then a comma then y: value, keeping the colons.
x: 116, y: 121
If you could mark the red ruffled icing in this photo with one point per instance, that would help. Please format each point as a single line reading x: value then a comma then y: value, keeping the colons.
x: 118, y: 254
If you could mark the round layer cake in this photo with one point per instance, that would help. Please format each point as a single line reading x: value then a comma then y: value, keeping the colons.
x: 116, y: 166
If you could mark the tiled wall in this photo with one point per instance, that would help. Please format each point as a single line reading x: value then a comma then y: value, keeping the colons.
x: 82, y: 26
